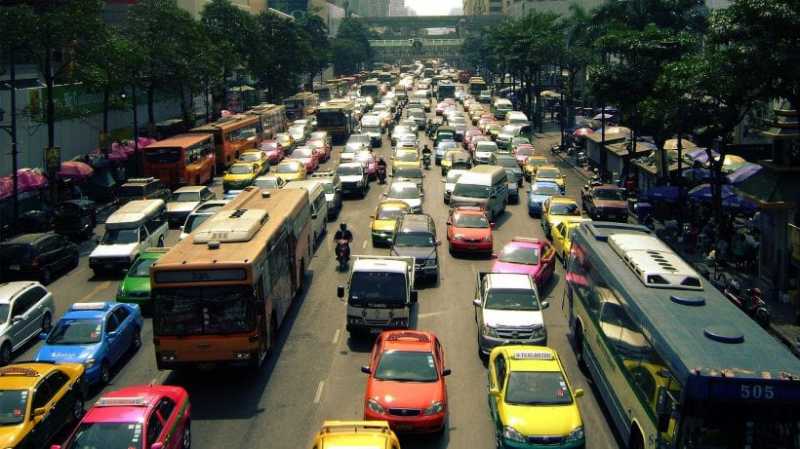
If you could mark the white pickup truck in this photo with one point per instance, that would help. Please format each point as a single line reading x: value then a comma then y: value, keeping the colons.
x: 379, y: 294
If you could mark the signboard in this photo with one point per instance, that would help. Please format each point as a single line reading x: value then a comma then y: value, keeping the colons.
x: 168, y: 277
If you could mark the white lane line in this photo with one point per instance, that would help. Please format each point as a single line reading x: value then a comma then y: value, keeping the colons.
x: 101, y: 286
x: 160, y: 379
x: 429, y: 314
x: 318, y: 395
x: 364, y: 245
x: 336, y: 336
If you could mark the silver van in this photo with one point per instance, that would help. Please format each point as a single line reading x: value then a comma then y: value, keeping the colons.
x: 319, y: 204
x: 484, y: 186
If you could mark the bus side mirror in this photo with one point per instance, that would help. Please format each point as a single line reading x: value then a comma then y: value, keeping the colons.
x: 340, y: 291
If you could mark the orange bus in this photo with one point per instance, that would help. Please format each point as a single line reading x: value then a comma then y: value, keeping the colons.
x: 220, y: 294
x: 232, y: 135
x: 273, y: 119
x: 182, y: 160
x: 301, y: 105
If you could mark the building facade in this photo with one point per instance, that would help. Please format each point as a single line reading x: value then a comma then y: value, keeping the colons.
x: 369, y: 8
x: 484, y: 7
x: 116, y: 10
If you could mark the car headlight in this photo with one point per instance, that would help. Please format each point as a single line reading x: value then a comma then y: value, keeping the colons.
x: 375, y: 406
x: 88, y: 363
x: 121, y: 290
x: 436, y: 407
x: 576, y: 434
x: 539, y: 332
x: 489, y: 331
x: 510, y: 433
x: 458, y: 237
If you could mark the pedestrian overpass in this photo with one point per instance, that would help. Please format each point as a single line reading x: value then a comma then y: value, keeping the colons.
x: 406, y: 51
x: 412, y: 26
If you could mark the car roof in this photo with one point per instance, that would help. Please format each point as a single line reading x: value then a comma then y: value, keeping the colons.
x: 191, y: 189
x: 514, y: 281
x: 86, y: 310
x: 415, y: 222
x: 24, y: 375
x: 531, y: 358
x: 27, y: 238
x: 393, y: 204
x: 469, y: 210
x: 129, y: 404
x: 408, y: 340
x: 562, y: 200
x: 11, y: 289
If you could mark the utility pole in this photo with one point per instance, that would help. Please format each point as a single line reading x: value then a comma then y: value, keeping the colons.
x: 12, y: 132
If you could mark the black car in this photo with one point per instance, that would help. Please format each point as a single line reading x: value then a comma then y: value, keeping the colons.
x: 75, y: 218
x: 415, y: 236
x: 37, y: 257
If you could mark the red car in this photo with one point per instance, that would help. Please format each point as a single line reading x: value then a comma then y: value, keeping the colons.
x: 273, y: 150
x: 522, y: 152
x: 530, y: 256
x: 406, y: 382
x: 369, y: 163
x: 474, y: 142
x: 308, y: 157
x: 136, y: 417
x: 322, y: 148
x: 471, y: 134
x: 469, y: 230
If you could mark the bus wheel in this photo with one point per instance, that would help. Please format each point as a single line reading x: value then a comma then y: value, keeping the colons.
x: 636, y: 441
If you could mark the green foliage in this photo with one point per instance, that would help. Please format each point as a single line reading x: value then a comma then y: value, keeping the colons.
x: 351, y: 50
x: 316, y: 32
x: 278, y: 55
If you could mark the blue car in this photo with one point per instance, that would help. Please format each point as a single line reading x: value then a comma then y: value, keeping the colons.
x: 539, y: 192
x: 96, y: 334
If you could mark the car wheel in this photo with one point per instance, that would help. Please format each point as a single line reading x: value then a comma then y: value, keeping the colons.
x: 186, y: 441
x: 45, y: 277
x: 137, y: 340
x: 105, y: 373
x: 77, y: 408
x: 5, y: 354
x: 76, y: 260
x: 47, y: 322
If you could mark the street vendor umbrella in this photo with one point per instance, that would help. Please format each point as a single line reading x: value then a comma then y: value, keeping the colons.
x: 700, y: 155
x: 739, y: 203
x: 29, y: 179
x: 664, y: 193
x: 614, y: 130
x: 75, y: 170
x: 600, y: 116
x: 582, y: 132
x: 550, y: 94
x: 672, y: 144
x: 703, y: 192
x: 732, y: 163
x: 696, y: 174
x: 745, y: 171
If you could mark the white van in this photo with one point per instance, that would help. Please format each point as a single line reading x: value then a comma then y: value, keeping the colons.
x: 517, y: 118
x: 136, y: 225
x: 501, y: 107
x: 319, y: 205
x: 483, y: 186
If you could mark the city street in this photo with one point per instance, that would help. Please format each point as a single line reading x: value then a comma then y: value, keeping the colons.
x: 314, y: 375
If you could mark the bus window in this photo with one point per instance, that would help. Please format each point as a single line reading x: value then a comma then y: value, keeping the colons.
x: 163, y: 155
x: 241, y: 134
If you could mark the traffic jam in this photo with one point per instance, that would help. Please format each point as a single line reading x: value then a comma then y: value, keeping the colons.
x: 391, y: 188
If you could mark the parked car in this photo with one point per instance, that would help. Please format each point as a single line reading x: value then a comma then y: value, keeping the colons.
x: 40, y: 256
x: 26, y: 309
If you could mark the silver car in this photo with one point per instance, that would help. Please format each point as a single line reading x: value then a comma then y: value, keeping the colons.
x: 26, y: 310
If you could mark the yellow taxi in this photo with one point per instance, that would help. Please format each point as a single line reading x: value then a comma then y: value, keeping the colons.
x: 356, y: 434
x: 257, y: 158
x: 551, y: 173
x: 385, y: 219
x: 290, y: 170
x: 562, y: 236
x: 557, y: 209
x: 532, y: 164
x: 239, y: 175
x: 406, y: 156
x: 531, y: 400
x: 39, y: 399
x: 461, y: 157
x: 397, y: 164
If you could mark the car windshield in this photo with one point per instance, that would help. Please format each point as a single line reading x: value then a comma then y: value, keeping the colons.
x: 107, y: 435
x: 250, y: 157
x: 414, y: 239
x: 4, y: 312
x: 470, y: 221
x: 401, y: 129
x: 407, y: 172
x: 75, y: 332
x: 471, y: 190
x: 408, y: 156
x: 518, y: 140
x: 345, y: 170
x: 120, y: 236
x: 508, y: 299
x: 405, y: 192
x: 328, y: 187
x: 269, y: 183
x: 203, y: 310
x: 141, y: 268
x: 359, y: 138
x: 352, y: 147
x: 547, y: 173
x: 520, y: 254
x: 287, y: 168
x: 507, y: 162
x: 486, y: 147
x: 545, y: 189
x: 303, y: 153
x: 390, y: 213
x: 564, y: 209
x: 13, y: 404
x: 537, y: 388
x: 609, y: 194
x: 186, y: 197
x: 371, y: 129
x: 372, y: 287
x: 195, y: 220
x: 406, y: 366
x: 240, y: 169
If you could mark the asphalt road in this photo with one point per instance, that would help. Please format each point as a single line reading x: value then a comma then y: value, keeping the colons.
x: 314, y: 374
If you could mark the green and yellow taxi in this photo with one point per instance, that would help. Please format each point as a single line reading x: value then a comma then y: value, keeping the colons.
x: 135, y: 287
x: 257, y: 157
x: 406, y: 156
x: 356, y: 435
x: 239, y: 176
x: 290, y: 170
x: 38, y: 400
x: 385, y: 219
x: 551, y: 173
x: 531, y: 400
x: 531, y: 165
x: 562, y: 235
x: 557, y: 209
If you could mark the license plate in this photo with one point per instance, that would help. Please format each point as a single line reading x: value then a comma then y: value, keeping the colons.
x: 404, y: 427
x: 13, y: 267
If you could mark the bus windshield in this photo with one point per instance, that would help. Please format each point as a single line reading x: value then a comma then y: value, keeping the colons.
x: 331, y: 118
x: 203, y: 310
x: 471, y: 190
x: 770, y: 426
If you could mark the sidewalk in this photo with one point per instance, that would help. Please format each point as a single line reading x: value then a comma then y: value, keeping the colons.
x: 782, y: 319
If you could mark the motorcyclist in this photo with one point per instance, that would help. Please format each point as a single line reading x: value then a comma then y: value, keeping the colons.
x: 343, y: 234
x: 381, y: 170
x: 381, y: 163
x: 426, y: 151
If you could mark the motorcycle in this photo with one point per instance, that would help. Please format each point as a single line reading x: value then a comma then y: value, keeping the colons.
x: 749, y: 301
x: 426, y: 161
x: 555, y: 149
x: 381, y: 174
x: 342, y: 253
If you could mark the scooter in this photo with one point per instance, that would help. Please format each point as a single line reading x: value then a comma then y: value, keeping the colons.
x: 555, y: 149
x: 342, y: 253
x: 750, y: 301
x: 381, y: 174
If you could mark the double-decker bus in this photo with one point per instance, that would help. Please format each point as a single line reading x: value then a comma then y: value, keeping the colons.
x: 185, y: 159
x: 301, y: 105
x: 220, y: 294
x: 676, y: 364
x: 232, y: 135
x: 336, y: 117
x: 272, y: 117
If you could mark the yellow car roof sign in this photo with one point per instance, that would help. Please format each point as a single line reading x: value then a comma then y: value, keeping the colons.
x: 532, y: 355
x: 20, y: 371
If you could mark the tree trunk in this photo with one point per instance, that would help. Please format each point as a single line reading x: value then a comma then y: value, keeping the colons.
x: 716, y: 182
x: 151, y: 110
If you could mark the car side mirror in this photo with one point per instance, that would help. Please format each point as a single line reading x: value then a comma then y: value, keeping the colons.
x: 545, y: 304
x: 579, y: 393
x: 476, y: 302
x: 414, y: 296
x: 494, y: 392
x: 43, y: 336
x: 447, y: 372
x: 494, y: 256
x: 37, y: 412
x: 365, y: 369
x: 492, y: 225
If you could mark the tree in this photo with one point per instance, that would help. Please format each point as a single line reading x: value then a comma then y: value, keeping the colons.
x: 317, y: 35
x: 351, y: 49
x: 278, y: 57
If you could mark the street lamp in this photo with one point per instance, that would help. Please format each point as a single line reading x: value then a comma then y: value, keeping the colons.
x: 562, y: 111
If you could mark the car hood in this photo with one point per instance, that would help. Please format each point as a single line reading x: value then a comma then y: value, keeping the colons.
x: 418, y: 252
x: 183, y: 206
x: 347, y: 156
x: 404, y: 394
x: 114, y: 250
x: 611, y: 204
x: 11, y: 435
x: 483, y: 154
x: 512, y: 318
x: 536, y: 198
x: 383, y: 225
x: 560, y: 421
x: 506, y: 267
x: 472, y: 233
x: 133, y: 284
x: 235, y: 178
x: 412, y: 202
x: 67, y: 353
x: 353, y: 178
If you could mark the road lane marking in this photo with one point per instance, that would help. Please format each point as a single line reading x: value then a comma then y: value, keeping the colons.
x: 160, y: 379
x: 318, y: 395
x: 101, y: 286
x: 336, y: 336
x: 364, y: 245
x: 429, y: 314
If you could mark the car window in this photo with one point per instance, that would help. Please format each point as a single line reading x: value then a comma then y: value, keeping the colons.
x: 112, y: 323
x: 56, y: 381
x: 50, y: 244
x: 500, y: 371
x: 154, y: 427
x: 165, y: 408
x: 121, y: 313
x: 21, y: 305
x: 42, y: 396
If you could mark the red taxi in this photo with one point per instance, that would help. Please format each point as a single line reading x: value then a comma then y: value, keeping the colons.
x: 136, y: 417
x: 469, y: 230
x: 530, y: 256
x: 273, y: 150
x: 321, y: 148
x: 406, y: 383
x: 522, y: 152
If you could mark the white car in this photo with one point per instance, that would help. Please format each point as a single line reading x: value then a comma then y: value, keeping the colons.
x: 184, y: 200
x: 407, y: 192
x: 26, y: 310
x: 450, y: 182
x: 485, y: 151
x: 199, y: 215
